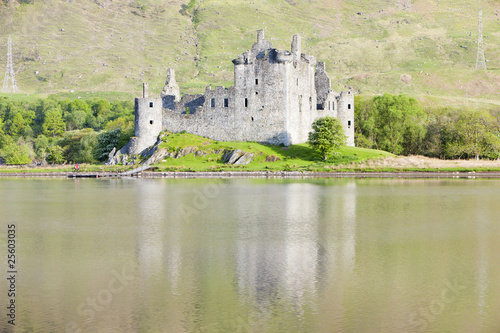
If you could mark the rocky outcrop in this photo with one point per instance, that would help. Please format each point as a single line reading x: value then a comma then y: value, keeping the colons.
x: 184, y: 151
x: 157, y: 156
x: 117, y: 157
x: 237, y: 157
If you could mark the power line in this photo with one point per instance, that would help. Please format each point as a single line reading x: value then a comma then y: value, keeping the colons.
x: 9, y: 82
x: 480, y: 61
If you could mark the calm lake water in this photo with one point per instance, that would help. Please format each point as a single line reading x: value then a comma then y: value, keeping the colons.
x: 246, y: 255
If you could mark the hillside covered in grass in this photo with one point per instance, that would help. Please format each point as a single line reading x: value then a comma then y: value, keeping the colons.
x: 207, y: 155
x: 424, y: 48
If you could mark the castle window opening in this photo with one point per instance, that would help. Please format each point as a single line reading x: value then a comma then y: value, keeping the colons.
x: 297, y: 81
x: 319, y: 107
x: 226, y: 102
x: 212, y: 102
x: 348, y: 124
x: 256, y: 93
x: 150, y: 104
x: 329, y: 105
x: 311, y: 102
x: 256, y: 81
x: 252, y: 118
x: 349, y: 106
x: 151, y: 122
x: 246, y: 102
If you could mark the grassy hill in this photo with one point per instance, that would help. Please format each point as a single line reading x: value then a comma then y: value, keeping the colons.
x: 299, y: 157
x: 425, y: 48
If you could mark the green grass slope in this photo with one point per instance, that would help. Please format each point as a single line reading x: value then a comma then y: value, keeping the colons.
x: 296, y: 157
x: 425, y: 48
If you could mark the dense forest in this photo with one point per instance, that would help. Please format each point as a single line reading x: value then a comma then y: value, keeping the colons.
x: 400, y: 125
x: 56, y: 130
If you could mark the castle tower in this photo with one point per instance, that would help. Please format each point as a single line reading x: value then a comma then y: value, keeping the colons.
x: 345, y: 113
x: 148, y: 122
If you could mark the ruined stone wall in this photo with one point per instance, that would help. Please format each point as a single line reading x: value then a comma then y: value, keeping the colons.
x: 190, y: 104
x: 329, y: 106
x: 211, y: 115
x: 323, y: 84
x: 233, y: 114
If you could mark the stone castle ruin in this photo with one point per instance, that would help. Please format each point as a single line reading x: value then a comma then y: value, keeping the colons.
x: 276, y: 97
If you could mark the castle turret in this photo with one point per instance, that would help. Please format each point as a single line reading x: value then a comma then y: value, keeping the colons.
x: 345, y: 113
x: 148, y: 122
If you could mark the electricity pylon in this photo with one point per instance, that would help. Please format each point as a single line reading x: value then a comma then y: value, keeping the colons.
x: 9, y: 82
x: 480, y: 61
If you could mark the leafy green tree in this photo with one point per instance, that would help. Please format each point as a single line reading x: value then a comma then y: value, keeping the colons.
x: 41, y: 147
x: 101, y: 108
x: 120, y: 122
x: 53, y: 124
x: 79, y: 105
x: 326, y: 136
x: 364, y: 122
x: 5, y: 140
x: 2, y: 134
x: 106, y: 141
x: 399, y: 123
x: 17, y: 125
x: 55, y: 154
x: 123, y: 109
x: 439, y: 131
x: 73, y: 142
x: 475, y: 134
x: 17, y: 153
x: 86, y: 148
x: 28, y: 115
x: 75, y: 120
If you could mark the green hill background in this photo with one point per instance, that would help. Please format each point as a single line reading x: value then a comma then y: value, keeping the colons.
x: 424, y: 48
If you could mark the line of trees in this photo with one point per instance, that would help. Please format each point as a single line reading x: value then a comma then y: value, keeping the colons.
x: 56, y: 130
x: 400, y: 125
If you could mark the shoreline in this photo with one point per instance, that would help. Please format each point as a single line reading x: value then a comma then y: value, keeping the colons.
x: 259, y: 174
